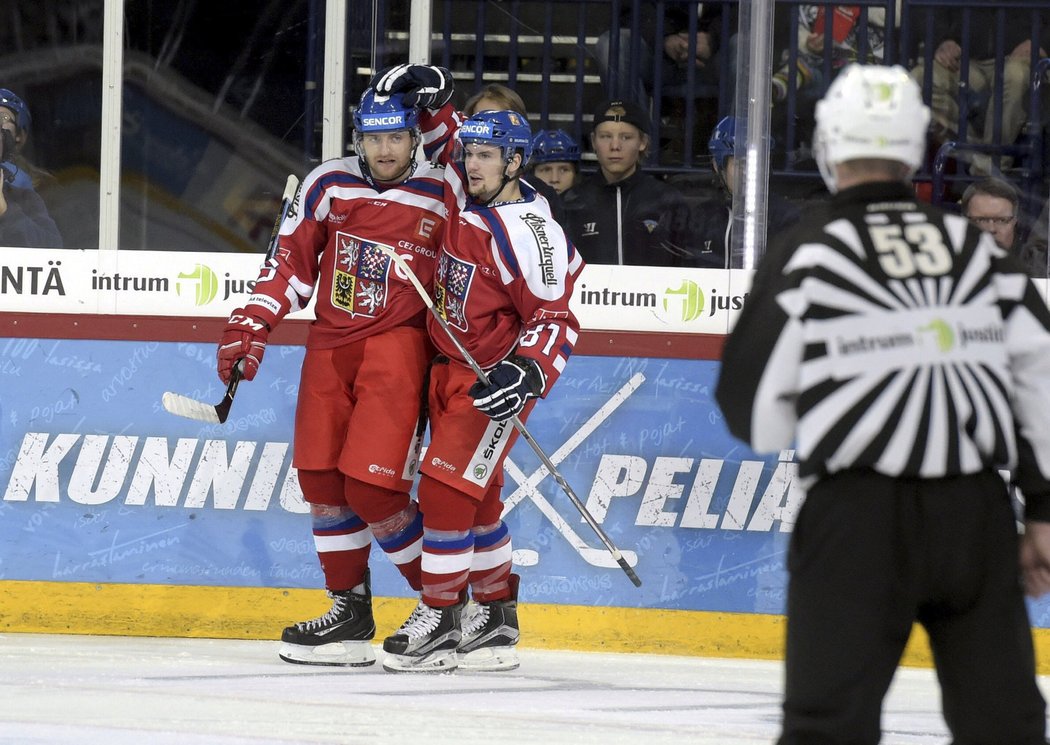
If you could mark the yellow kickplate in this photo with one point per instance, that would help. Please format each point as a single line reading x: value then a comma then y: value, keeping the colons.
x: 261, y: 613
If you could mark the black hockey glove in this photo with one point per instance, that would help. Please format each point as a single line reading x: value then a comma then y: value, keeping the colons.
x: 427, y: 86
x: 511, y: 384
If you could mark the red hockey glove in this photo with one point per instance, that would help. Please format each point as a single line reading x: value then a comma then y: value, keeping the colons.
x: 243, y: 339
x: 511, y: 384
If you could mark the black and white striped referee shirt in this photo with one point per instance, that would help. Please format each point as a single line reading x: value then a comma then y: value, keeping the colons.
x: 896, y: 337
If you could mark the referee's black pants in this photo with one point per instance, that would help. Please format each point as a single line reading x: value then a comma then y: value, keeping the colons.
x: 871, y: 554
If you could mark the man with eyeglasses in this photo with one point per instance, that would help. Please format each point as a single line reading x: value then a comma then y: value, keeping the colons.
x: 991, y: 205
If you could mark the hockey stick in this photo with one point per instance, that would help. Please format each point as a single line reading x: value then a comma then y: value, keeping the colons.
x: 469, y: 359
x: 179, y: 405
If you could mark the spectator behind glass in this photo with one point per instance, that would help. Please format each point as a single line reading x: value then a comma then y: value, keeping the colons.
x: 556, y: 159
x: 621, y: 215
x: 815, y: 30
x: 981, y: 44
x: 711, y: 221
x: 14, y: 116
x: 24, y: 220
x: 496, y: 97
x: 991, y: 204
x: 675, y: 44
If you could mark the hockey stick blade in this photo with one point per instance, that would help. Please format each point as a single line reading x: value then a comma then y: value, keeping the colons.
x: 184, y: 406
x: 635, y: 579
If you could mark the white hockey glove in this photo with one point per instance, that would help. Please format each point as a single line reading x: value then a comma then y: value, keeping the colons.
x: 511, y: 384
x: 244, y: 342
x: 427, y: 86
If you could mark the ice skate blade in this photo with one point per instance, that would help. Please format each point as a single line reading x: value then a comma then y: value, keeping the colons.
x: 442, y: 661
x: 489, y: 660
x: 337, y: 654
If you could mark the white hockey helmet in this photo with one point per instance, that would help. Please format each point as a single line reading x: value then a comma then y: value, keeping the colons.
x: 870, y: 111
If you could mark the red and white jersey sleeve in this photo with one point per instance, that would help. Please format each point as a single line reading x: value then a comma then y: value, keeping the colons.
x: 438, y: 127
x: 504, y: 278
x: 328, y: 247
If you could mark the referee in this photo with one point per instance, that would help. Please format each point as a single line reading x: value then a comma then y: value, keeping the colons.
x: 907, y: 357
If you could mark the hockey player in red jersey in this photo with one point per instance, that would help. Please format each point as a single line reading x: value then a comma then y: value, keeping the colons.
x: 357, y: 423
x: 504, y: 278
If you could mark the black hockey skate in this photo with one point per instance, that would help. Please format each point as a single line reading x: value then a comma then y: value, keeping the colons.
x: 342, y: 636
x: 490, y: 633
x: 426, y: 642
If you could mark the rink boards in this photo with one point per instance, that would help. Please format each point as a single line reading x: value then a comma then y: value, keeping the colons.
x: 117, y: 517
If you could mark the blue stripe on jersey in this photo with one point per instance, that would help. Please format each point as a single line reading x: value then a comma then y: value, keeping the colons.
x: 335, y: 178
x: 495, y: 225
x: 426, y: 186
x: 447, y: 545
x: 491, y: 539
x: 566, y: 350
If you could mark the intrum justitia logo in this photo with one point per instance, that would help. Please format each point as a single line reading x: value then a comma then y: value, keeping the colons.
x: 201, y: 281
x: 686, y: 303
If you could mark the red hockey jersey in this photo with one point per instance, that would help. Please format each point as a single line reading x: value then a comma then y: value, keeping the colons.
x: 327, y: 246
x: 505, y: 272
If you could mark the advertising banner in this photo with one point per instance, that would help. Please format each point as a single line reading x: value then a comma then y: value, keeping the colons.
x: 213, y: 284
x: 100, y: 484
x: 619, y: 298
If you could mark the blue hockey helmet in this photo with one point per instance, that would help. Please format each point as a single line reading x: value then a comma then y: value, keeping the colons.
x: 554, y: 146
x: 507, y: 130
x: 10, y: 101
x: 378, y: 113
x: 722, y: 144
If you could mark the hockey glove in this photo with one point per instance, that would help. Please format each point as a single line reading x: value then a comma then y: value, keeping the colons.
x: 511, y: 384
x: 427, y: 86
x: 243, y: 341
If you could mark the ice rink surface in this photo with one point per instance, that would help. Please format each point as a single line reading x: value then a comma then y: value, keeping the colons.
x: 93, y: 690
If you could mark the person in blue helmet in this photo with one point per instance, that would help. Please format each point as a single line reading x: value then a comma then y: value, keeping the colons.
x: 15, y: 119
x: 358, y: 418
x: 24, y: 219
x: 505, y: 275
x: 498, y: 97
x: 555, y: 159
x: 712, y: 221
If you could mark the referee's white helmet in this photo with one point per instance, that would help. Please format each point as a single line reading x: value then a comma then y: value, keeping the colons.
x: 870, y: 111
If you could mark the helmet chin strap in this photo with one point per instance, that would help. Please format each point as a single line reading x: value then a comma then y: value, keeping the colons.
x: 505, y: 179
x: 726, y: 191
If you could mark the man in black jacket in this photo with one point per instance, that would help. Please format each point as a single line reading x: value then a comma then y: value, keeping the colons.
x: 621, y: 215
x: 905, y: 357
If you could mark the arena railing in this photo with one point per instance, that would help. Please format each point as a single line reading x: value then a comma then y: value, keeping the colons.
x: 547, y: 51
